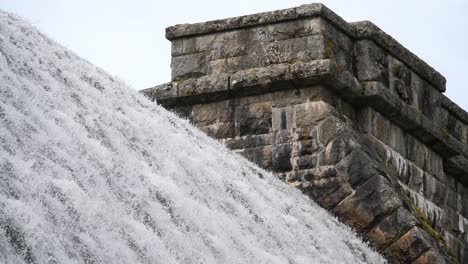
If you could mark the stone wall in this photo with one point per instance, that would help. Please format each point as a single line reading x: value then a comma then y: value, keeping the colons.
x: 341, y: 111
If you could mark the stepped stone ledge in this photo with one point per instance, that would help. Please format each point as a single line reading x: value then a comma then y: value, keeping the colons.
x: 339, y: 110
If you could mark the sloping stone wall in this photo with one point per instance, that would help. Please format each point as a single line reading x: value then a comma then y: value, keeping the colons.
x: 341, y: 111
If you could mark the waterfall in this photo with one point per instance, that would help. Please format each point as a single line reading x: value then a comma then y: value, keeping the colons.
x: 93, y: 172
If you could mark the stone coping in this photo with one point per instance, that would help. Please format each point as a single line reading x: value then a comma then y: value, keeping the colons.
x: 220, y: 25
x: 297, y: 75
x: 377, y: 96
x: 368, y: 30
x: 454, y: 109
x: 356, y: 30
x: 253, y: 81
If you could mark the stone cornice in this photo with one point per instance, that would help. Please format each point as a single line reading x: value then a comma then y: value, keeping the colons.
x: 368, y: 30
x: 453, y: 108
x: 275, y: 77
x: 356, y: 30
x: 303, y: 74
x: 303, y: 11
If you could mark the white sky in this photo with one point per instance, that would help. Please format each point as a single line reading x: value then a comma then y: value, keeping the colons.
x: 126, y: 38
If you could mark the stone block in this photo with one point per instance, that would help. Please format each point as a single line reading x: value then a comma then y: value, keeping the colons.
x: 464, y: 225
x: 282, y: 118
x: 342, y: 40
x: 256, y: 80
x: 219, y: 130
x: 193, y: 89
x: 398, y: 139
x: 455, y: 127
x: 346, y: 110
x: 337, y: 149
x: 249, y: 141
x: 330, y: 193
x: 455, y: 246
x: 371, y: 62
x: 400, y: 79
x: 333, y: 50
x: 462, y: 207
x: 375, y: 124
x: 376, y: 148
x: 188, y: 66
x: 258, y: 140
x: 289, y: 98
x: 307, y: 174
x: 380, y: 127
x: 225, y: 45
x: 434, y: 190
x: 397, y: 165
x: 368, y: 203
x: 451, y: 221
x: 189, y: 46
x: 325, y: 185
x: 409, y: 247
x: 307, y: 133
x: 260, y: 54
x: 308, y: 114
x: 431, y: 257
x: 217, y: 66
x: 253, y: 119
x: 305, y: 147
x: 289, y: 50
x: 252, y: 99
x: 305, y: 162
x: 260, y: 156
x: 200, y: 43
x: 435, y: 166
x: 289, y: 29
x: 391, y: 228
x: 416, y: 151
x: 451, y: 199
x: 426, y: 98
x: 329, y: 129
x: 162, y: 92
x: 282, y: 136
x: 234, y: 64
x: 358, y: 167
x: 177, y: 47
x: 281, y: 158
x: 184, y: 112
x: 464, y: 138
x: 233, y: 143
x: 205, y: 114
x: 444, y: 117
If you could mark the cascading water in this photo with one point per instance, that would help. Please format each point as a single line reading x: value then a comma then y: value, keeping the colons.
x: 92, y: 172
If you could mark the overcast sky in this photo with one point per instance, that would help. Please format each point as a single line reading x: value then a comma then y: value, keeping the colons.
x: 126, y: 37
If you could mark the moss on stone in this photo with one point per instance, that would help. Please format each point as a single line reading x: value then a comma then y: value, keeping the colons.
x: 329, y: 49
x: 445, y: 133
x: 427, y: 225
x: 436, y: 235
x: 190, y: 91
x: 182, y: 81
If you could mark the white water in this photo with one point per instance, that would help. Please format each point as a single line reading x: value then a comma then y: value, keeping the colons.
x: 92, y: 172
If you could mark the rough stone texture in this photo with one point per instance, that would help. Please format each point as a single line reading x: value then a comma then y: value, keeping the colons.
x: 339, y: 110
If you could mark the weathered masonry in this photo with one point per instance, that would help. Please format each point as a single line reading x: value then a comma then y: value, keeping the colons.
x: 340, y: 110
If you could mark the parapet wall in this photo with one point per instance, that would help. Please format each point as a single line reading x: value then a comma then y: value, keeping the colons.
x: 340, y: 110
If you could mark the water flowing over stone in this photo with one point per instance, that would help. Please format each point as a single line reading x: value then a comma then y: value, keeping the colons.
x: 92, y: 172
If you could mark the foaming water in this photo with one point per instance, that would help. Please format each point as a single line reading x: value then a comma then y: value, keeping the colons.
x: 92, y: 172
